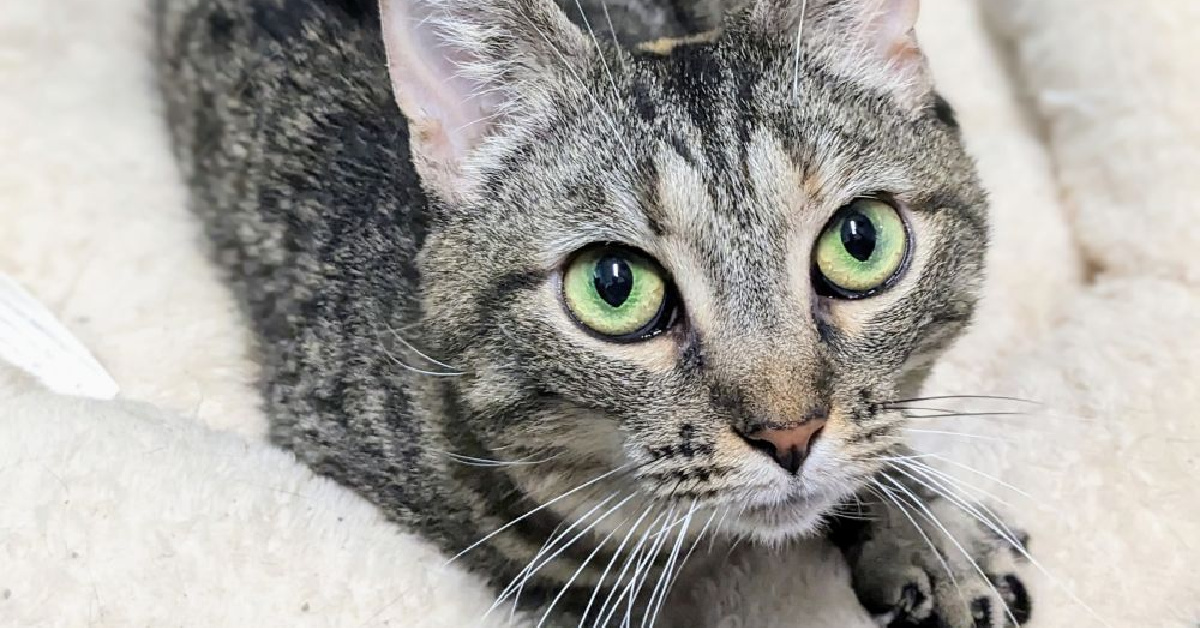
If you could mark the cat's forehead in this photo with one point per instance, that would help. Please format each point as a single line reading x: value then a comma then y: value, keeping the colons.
x: 716, y: 144
x: 728, y: 149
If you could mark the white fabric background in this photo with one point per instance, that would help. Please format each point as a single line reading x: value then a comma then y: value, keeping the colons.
x: 1081, y: 113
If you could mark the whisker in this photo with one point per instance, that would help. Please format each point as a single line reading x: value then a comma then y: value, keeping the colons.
x: 586, y: 561
x: 518, y: 584
x: 696, y: 543
x: 600, y: 50
x: 928, y: 541
x: 612, y: 30
x: 963, y: 501
x: 960, y: 435
x: 514, y: 522
x: 938, y: 413
x: 643, y: 570
x: 682, y: 563
x: 733, y: 546
x: 664, y: 576
x: 1008, y: 537
x: 717, y: 532
x: 611, y: 561
x: 917, y: 501
x: 960, y: 484
x: 942, y: 397
x: 609, y: 120
x: 408, y: 367
x: 411, y: 347
x: 983, y: 475
x: 799, y: 52
x: 486, y: 462
x: 602, y: 617
x: 945, y: 413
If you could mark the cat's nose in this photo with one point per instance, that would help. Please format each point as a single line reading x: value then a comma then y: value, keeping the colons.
x: 788, y: 446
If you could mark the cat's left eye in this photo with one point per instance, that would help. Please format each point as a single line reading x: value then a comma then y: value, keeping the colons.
x: 619, y: 293
x: 862, y: 250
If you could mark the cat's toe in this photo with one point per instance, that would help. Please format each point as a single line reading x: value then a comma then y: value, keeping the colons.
x: 1016, y: 597
x: 999, y: 602
x: 897, y: 597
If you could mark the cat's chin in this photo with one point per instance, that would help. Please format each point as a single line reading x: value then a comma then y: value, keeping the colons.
x: 795, y: 517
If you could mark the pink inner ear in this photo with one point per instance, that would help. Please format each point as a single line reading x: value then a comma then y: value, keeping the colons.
x: 444, y: 107
x: 892, y: 28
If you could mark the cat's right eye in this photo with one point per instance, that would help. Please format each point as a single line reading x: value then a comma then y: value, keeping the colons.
x: 619, y: 293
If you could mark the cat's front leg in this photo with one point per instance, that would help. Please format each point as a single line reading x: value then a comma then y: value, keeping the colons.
x: 922, y: 559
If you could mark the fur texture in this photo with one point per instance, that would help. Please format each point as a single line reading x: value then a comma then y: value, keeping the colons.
x: 351, y: 232
x: 1113, y: 514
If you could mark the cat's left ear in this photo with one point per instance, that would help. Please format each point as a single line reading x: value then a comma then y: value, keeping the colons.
x: 467, y: 71
x: 872, y: 41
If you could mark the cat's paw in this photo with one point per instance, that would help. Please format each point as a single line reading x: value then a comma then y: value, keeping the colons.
x: 932, y: 576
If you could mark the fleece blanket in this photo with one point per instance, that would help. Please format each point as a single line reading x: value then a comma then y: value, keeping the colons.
x: 166, y: 507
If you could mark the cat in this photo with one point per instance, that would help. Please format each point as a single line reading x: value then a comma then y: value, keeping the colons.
x: 566, y: 308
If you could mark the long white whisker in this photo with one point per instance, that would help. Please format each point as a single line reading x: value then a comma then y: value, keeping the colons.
x: 964, y: 502
x: 982, y: 574
x: 799, y: 51
x: 682, y: 563
x: 664, y: 576
x: 487, y: 462
x: 692, y: 549
x: 611, y: 29
x: 982, y: 475
x: 952, y: 397
x: 638, y: 581
x: 537, y: 509
x: 408, y: 367
x: 586, y: 561
x: 517, y: 585
x: 408, y: 345
x: 962, y: 486
x: 611, y: 561
x: 958, y: 434
x: 932, y: 546
x: 534, y: 566
x: 601, y: 616
x: 931, y: 414
x: 712, y: 540
x: 1020, y: 548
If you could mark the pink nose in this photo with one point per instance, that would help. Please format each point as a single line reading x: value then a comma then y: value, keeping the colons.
x: 788, y: 446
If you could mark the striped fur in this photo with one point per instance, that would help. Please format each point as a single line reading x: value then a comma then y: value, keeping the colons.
x: 723, y: 159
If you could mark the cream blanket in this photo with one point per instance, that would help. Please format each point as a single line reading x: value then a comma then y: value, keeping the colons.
x: 1081, y: 112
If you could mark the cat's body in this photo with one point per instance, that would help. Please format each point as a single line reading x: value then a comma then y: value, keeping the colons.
x: 346, y: 245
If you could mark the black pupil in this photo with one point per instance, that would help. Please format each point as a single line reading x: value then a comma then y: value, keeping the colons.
x: 858, y: 236
x: 613, y: 279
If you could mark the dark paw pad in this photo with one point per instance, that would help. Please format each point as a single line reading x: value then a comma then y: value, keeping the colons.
x: 911, y: 599
x: 1014, y: 594
x: 981, y: 612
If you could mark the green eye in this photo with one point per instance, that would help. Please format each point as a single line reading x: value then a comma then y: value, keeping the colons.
x: 618, y: 293
x: 862, y: 248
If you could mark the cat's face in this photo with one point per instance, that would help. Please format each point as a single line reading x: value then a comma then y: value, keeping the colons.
x: 712, y: 270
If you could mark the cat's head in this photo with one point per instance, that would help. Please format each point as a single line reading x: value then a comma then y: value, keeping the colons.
x: 712, y: 269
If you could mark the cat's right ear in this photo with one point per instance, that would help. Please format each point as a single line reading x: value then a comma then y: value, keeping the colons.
x: 463, y: 70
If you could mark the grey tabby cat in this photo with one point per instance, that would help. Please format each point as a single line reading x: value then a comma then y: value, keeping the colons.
x: 657, y: 297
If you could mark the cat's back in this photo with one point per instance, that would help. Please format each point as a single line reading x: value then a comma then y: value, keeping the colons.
x: 297, y: 160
